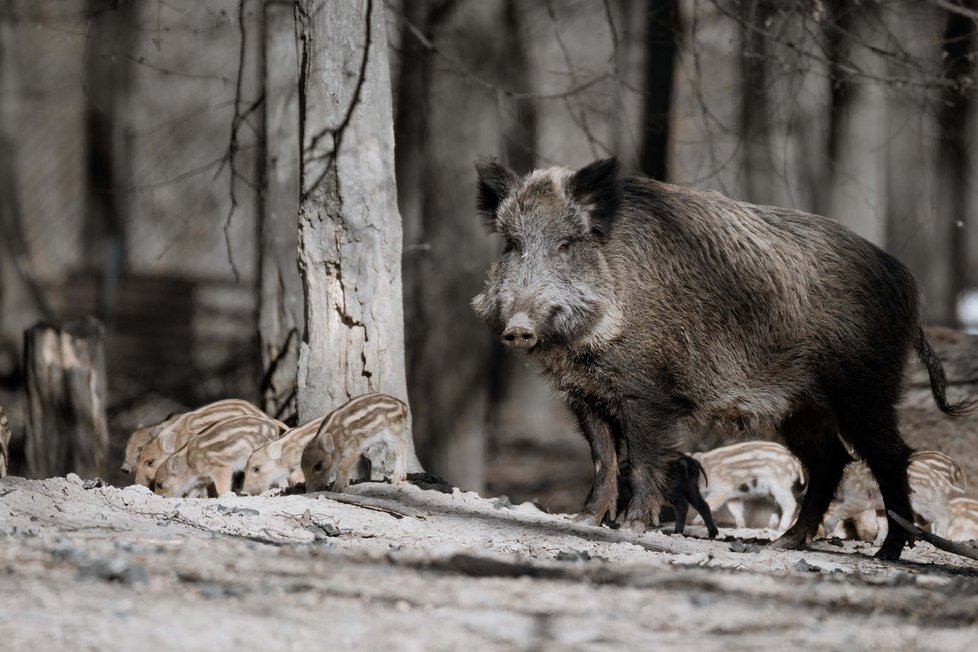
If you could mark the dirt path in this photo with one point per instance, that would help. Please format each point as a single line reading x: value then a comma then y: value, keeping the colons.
x: 121, y: 569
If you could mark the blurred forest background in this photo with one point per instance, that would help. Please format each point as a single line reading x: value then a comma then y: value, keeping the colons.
x: 146, y: 145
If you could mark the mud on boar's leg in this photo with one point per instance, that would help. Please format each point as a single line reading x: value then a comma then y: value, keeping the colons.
x: 603, y: 499
x: 810, y: 433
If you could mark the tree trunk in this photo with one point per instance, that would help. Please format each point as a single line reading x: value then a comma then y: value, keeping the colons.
x: 67, y: 430
x: 450, y: 349
x: 521, y: 138
x: 662, y: 32
x: 838, y: 27
x: 349, y: 226
x: 280, y: 316
x: 955, y: 156
x: 107, y: 85
x: 754, y: 109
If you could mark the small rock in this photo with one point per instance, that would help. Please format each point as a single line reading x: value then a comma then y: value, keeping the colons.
x: 837, y: 542
x: 742, y: 546
x: 246, y: 511
x: 803, y: 566
x: 212, y: 591
x: 573, y: 555
x: 69, y: 554
x: 115, y: 569
x: 502, y: 502
x: 92, y: 484
x: 73, y: 478
x: 703, y: 600
x: 322, y: 530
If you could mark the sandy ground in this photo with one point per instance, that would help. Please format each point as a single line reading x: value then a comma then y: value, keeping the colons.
x: 398, y: 567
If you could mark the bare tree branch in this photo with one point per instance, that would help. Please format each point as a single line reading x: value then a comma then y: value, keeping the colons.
x: 954, y: 8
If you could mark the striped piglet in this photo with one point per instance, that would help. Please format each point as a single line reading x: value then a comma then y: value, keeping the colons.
x: 210, y: 460
x: 371, y: 427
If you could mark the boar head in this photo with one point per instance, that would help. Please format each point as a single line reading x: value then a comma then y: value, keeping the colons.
x: 552, y: 285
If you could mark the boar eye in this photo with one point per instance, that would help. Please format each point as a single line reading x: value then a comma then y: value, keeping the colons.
x: 564, y: 247
x: 255, y: 469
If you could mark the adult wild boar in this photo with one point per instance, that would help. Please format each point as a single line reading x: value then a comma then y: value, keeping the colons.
x: 651, y: 306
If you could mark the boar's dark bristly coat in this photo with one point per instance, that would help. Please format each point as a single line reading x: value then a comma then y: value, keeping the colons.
x: 652, y: 306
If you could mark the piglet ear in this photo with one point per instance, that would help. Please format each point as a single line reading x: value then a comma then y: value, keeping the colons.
x: 496, y: 182
x: 598, y: 187
x: 168, y: 441
x: 274, y: 450
x: 176, y: 464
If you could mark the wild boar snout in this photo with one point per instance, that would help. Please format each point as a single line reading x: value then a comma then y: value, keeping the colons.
x: 519, y: 332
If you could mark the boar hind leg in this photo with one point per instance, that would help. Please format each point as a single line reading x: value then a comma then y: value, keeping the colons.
x: 810, y: 434
x: 700, y: 505
x: 873, y: 433
x: 603, y: 499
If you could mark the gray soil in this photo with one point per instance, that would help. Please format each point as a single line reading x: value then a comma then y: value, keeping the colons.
x: 398, y: 567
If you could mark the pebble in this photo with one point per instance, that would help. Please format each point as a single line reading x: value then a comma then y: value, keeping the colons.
x: 114, y: 569
x: 502, y: 502
x: 322, y: 530
x: 742, y: 546
x: 803, y: 566
x: 246, y: 511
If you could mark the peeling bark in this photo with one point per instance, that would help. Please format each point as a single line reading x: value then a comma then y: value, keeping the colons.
x: 349, y: 225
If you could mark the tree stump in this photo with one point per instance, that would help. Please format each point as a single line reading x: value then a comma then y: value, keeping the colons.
x: 67, y: 431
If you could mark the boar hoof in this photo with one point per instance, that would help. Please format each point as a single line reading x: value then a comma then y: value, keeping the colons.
x: 635, y: 525
x: 788, y: 541
x: 585, y: 518
x: 889, y: 552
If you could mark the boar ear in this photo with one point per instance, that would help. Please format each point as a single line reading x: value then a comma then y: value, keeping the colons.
x: 496, y: 181
x: 598, y: 187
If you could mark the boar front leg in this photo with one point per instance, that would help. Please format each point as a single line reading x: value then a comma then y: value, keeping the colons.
x: 652, y: 437
x: 603, y: 499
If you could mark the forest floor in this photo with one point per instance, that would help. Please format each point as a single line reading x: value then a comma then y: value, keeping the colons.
x: 385, y: 567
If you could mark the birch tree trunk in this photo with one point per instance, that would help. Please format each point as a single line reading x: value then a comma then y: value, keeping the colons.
x: 349, y: 225
x: 280, y: 315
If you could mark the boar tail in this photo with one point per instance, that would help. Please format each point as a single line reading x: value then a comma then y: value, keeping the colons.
x: 938, y: 380
x: 700, y: 470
